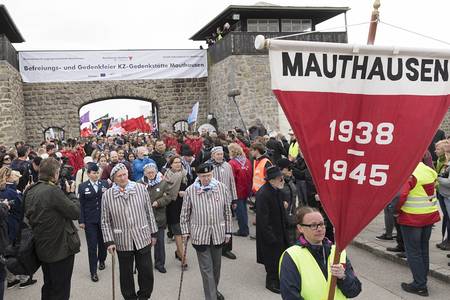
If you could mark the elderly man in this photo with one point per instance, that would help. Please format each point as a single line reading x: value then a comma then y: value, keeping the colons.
x: 141, y: 160
x: 224, y: 173
x: 128, y: 225
x: 206, y: 218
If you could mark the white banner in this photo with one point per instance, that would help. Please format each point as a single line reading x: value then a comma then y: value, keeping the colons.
x: 60, y: 66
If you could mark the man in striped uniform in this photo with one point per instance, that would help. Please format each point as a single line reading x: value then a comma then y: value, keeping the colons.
x: 206, y: 218
x: 128, y: 225
x: 224, y: 173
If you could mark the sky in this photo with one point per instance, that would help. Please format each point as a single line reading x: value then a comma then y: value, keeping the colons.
x: 144, y: 24
x: 117, y: 108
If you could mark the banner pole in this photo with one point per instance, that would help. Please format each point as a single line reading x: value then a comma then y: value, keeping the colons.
x: 373, y: 23
x: 336, y: 259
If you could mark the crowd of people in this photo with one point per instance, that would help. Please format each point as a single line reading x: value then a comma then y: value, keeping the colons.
x: 415, y: 209
x: 128, y: 193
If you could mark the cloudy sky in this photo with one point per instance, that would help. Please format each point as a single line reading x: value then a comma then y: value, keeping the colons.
x: 144, y: 24
x: 168, y: 24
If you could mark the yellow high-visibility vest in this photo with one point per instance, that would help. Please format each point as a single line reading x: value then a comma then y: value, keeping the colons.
x: 293, y: 150
x: 418, y: 201
x: 314, y: 286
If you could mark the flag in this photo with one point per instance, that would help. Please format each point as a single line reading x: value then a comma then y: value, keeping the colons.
x: 102, y: 117
x: 136, y: 124
x: 86, y: 132
x: 364, y: 120
x: 102, y: 126
x: 84, y: 118
x: 194, y: 113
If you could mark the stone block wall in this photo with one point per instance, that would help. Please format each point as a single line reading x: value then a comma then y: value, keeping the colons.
x: 58, y: 104
x: 251, y: 75
x: 12, y: 117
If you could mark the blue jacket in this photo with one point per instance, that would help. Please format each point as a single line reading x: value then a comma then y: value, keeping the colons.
x: 15, y: 215
x: 138, y: 167
x: 90, y: 201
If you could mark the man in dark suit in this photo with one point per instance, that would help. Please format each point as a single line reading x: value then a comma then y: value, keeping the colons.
x: 90, y: 193
x: 271, y: 228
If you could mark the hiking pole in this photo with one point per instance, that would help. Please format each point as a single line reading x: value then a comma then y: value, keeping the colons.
x: 113, y: 258
x: 183, y: 262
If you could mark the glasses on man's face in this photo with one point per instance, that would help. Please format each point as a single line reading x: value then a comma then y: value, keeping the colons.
x: 315, y: 226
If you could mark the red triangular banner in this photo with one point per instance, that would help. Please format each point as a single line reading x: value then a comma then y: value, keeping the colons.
x: 361, y: 129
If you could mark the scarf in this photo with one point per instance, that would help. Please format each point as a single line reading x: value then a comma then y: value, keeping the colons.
x: 131, y: 186
x: 201, y: 188
x: 215, y: 163
x: 241, y: 159
x: 158, y: 178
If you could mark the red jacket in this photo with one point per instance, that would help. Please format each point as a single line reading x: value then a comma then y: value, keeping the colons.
x: 415, y: 220
x: 194, y: 144
x: 243, y: 176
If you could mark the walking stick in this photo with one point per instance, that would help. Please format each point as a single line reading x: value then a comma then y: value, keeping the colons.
x: 113, y: 258
x: 183, y: 261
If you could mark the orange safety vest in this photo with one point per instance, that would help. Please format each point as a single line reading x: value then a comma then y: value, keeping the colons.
x: 259, y: 173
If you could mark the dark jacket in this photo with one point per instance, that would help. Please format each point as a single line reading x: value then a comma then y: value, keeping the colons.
x: 50, y: 213
x: 90, y: 201
x: 271, y: 226
x: 4, y: 240
x: 106, y: 173
x: 291, y: 281
x: 159, y: 159
x: 15, y: 215
x: 159, y: 193
x: 276, y: 148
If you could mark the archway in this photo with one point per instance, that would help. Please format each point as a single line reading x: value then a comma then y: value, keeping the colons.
x: 118, y: 115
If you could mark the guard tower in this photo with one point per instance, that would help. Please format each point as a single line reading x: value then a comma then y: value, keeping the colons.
x: 12, y: 117
x: 234, y: 63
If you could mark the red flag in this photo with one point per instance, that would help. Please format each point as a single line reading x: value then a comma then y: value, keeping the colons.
x: 86, y: 132
x: 363, y: 119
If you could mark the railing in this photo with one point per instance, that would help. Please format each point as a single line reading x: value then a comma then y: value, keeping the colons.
x: 7, y: 52
x: 242, y: 43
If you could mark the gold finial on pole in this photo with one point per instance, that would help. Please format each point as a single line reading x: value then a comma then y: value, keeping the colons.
x: 374, y: 22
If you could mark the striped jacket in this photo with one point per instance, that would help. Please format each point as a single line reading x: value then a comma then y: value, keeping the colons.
x: 224, y: 173
x: 127, y: 217
x: 206, y: 215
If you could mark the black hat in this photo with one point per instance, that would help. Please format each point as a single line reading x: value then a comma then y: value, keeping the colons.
x: 92, y: 167
x: 273, y: 172
x: 284, y: 163
x: 204, y: 168
x: 186, y: 150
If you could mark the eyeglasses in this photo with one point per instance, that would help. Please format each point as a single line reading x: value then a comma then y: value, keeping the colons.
x: 315, y: 226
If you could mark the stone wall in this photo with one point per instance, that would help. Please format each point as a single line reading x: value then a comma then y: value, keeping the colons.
x: 58, y: 104
x: 12, y: 117
x: 251, y: 75
x: 445, y: 125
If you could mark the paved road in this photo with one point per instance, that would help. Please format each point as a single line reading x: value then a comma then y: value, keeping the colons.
x: 241, y: 279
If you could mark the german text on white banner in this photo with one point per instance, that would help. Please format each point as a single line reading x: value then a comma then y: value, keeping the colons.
x: 60, y: 66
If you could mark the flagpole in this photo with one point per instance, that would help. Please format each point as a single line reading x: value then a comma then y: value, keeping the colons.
x: 373, y: 23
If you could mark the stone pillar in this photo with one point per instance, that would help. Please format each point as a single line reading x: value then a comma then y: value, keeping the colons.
x: 12, y: 112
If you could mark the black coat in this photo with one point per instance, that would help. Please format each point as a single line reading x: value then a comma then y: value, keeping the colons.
x: 4, y: 240
x: 90, y: 201
x: 271, y: 225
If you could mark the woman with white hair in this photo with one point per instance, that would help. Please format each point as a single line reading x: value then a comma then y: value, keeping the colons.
x: 158, y: 191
